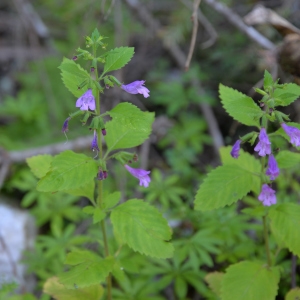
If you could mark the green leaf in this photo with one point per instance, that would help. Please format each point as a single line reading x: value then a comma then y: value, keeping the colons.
x: 214, y: 281
x: 223, y: 186
x: 73, y: 76
x: 285, y: 223
x: 293, y: 294
x: 244, y: 161
x: 89, y: 210
x: 60, y: 292
x: 143, y: 228
x: 268, y: 80
x: 117, y: 58
x: 180, y: 287
x: 250, y: 281
x: 286, y: 95
x: 86, y: 190
x: 130, y: 127
x: 89, y: 269
x: 287, y: 159
x: 111, y: 200
x: 69, y: 170
x: 99, y: 215
x: 239, y: 106
x: 39, y: 164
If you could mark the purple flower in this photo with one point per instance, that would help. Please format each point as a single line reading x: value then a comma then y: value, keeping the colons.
x: 273, y: 170
x: 136, y: 87
x: 65, y: 127
x: 103, y: 130
x: 236, y: 149
x: 293, y: 133
x: 264, y: 145
x: 94, y: 144
x: 267, y: 195
x: 86, y: 101
x: 140, y: 174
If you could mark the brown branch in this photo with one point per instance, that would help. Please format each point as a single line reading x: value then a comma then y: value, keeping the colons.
x: 153, y: 25
x: 237, y: 21
x: 194, y: 33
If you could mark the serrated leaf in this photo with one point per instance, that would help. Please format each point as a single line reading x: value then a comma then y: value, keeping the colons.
x: 239, y: 106
x: 293, y: 294
x: 86, y: 190
x: 244, y: 161
x: 128, y: 130
x: 73, y: 76
x: 180, y: 287
x: 223, y: 186
x: 285, y: 223
x: 287, y: 159
x: 39, y: 164
x: 143, y: 228
x: 214, y: 281
x: 117, y: 58
x: 250, y: 281
x: 268, y: 80
x: 89, y: 269
x: 60, y: 292
x: 286, y: 95
x: 111, y: 200
x: 69, y: 170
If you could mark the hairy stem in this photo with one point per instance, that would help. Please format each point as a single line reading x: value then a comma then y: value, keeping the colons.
x: 100, y: 193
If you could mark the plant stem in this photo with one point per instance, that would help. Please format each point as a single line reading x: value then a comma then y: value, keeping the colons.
x: 100, y: 193
x: 266, y: 237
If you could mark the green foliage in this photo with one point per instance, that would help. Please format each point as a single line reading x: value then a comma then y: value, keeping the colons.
x: 249, y: 281
x: 88, y: 269
x: 39, y: 164
x: 129, y: 127
x: 166, y: 192
x: 74, y: 76
x: 223, y: 186
x: 287, y: 159
x: 286, y: 94
x: 285, y: 219
x: 293, y: 294
x: 60, y: 292
x: 239, y: 106
x: 214, y: 281
x: 142, y: 228
x: 68, y: 170
x: 117, y: 58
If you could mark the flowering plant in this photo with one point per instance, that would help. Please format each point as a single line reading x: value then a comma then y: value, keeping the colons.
x: 135, y: 223
x: 242, y: 173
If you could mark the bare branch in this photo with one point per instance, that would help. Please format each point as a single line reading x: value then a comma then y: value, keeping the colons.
x: 236, y: 20
x: 194, y: 33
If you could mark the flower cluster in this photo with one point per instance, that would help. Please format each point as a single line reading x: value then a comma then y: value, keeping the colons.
x: 87, y: 102
x: 263, y: 147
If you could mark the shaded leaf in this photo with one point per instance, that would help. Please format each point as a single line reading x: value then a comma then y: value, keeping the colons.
x: 143, y: 228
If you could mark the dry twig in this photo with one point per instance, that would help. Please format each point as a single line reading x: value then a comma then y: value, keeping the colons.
x: 194, y: 33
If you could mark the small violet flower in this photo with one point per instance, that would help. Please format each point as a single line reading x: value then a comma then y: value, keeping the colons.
x: 65, y: 127
x: 267, y: 195
x: 236, y: 149
x: 103, y: 130
x: 264, y: 145
x: 272, y: 170
x: 86, y: 101
x: 101, y: 175
x: 140, y: 174
x: 94, y: 144
x: 293, y: 133
x: 136, y: 87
